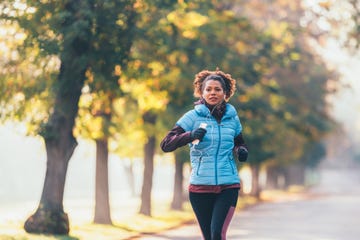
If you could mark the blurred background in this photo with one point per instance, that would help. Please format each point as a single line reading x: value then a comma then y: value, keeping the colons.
x: 90, y: 88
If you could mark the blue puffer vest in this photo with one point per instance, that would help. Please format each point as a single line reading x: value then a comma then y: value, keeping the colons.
x: 212, y: 160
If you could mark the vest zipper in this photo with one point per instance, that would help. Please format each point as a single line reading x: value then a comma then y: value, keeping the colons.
x: 216, y: 155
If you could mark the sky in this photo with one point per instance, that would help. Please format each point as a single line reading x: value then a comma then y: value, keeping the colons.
x: 346, y: 102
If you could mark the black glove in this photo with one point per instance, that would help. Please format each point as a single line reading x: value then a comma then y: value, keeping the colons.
x: 198, y: 133
x: 242, y: 154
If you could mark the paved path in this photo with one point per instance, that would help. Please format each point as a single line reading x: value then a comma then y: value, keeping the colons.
x: 333, y: 213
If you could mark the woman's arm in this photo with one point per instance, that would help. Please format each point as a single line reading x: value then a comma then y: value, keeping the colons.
x: 176, y: 137
x: 240, y: 148
x: 239, y: 141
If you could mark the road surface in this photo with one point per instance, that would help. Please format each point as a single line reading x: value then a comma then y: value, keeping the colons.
x: 332, y: 212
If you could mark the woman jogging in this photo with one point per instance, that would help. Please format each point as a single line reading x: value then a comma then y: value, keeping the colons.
x: 213, y: 132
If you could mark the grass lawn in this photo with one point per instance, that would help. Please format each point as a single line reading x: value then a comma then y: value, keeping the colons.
x: 130, y: 226
x: 135, y: 224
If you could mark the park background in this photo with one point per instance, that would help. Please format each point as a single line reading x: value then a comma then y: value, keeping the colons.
x: 296, y: 64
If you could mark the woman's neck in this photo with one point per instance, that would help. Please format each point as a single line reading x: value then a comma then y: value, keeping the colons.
x: 217, y: 110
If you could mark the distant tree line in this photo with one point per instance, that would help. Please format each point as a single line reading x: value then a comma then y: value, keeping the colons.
x: 120, y: 73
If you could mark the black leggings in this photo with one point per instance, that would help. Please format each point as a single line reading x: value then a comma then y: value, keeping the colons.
x: 214, y: 212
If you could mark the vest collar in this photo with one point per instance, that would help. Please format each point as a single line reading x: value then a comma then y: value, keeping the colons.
x: 204, y: 111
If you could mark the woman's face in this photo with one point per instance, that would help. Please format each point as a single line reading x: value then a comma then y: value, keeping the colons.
x: 213, y: 93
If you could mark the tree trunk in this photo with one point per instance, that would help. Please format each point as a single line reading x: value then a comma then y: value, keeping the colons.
x: 149, y: 151
x: 102, y: 203
x: 272, y: 177
x: 295, y: 174
x: 50, y: 216
x: 177, y: 200
x: 255, y: 186
x: 60, y: 145
x: 58, y: 131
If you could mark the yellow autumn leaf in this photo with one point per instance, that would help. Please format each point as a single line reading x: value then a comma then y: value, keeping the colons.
x: 241, y: 47
x: 279, y: 48
x: 295, y: 56
x: 325, y: 4
x: 188, y: 22
x: 277, y: 29
x: 151, y: 100
x: 156, y: 68
x: 95, y: 128
x: 288, y: 116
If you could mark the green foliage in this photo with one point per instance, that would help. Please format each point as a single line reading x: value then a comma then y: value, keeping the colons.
x: 314, y: 152
x: 144, y: 55
x: 271, y: 67
x: 25, y: 79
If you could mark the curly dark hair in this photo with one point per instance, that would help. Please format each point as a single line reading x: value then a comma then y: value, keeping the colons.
x: 228, y: 83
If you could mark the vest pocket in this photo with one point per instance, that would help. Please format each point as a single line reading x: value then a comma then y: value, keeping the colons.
x: 198, y: 166
x: 232, y: 164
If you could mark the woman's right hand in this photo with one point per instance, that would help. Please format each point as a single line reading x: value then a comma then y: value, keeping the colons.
x: 198, y: 133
